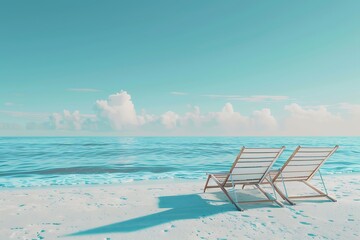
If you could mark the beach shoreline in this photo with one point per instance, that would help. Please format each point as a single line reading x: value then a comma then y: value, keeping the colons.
x: 173, y: 209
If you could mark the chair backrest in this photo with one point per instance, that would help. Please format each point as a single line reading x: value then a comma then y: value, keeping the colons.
x: 304, y: 163
x: 252, y: 165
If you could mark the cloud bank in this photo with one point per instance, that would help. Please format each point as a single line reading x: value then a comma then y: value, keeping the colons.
x: 118, y: 114
x: 318, y: 120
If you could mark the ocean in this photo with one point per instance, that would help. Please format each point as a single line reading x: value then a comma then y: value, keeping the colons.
x: 45, y: 161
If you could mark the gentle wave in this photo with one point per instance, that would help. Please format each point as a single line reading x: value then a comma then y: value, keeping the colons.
x: 42, y: 161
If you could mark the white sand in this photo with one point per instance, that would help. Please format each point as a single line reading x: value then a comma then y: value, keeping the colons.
x: 173, y: 209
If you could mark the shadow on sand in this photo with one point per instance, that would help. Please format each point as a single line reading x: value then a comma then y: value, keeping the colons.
x: 180, y: 207
x: 190, y: 206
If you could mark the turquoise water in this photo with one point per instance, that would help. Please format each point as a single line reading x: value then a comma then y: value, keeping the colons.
x: 43, y: 161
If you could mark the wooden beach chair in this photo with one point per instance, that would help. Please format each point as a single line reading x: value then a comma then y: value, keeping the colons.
x: 301, y: 166
x: 251, y: 167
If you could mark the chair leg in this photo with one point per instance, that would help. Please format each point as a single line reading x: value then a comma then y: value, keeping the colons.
x: 320, y: 192
x: 207, y: 182
x: 282, y: 195
x: 268, y: 196
x: 226, y: 192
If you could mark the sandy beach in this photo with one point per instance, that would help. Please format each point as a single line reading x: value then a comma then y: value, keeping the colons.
x: 173, y: 209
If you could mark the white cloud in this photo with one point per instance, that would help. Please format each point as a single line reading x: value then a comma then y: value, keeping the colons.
x: 315, y: 114
x: 229, y: 119
x: 308, y: 112
x: 179, y: 93
x: 353, y: 109
x: 169, y: 119
x: 260, y: 122
x: 352, y: 118
x: 190, y: 119
x: 119, y: 112
x: 225, y: 122
x: 145, y: 118
x: 264, y: 120
x: 64, y: 121
x: 67, y: 120
x: 343, y: 119
x: 193, y: 117
x: 312, y: 121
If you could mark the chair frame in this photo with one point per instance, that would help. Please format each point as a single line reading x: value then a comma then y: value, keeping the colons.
x: 224, y: 180
x: 279, y: 177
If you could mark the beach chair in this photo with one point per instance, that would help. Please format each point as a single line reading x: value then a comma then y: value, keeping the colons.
x: 251, y: 167
x: 301, y: 166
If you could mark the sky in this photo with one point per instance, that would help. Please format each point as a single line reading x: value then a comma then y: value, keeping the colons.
x: 180, y: 68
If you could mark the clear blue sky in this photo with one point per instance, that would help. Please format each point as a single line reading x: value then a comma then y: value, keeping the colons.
x: 306, y: 50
